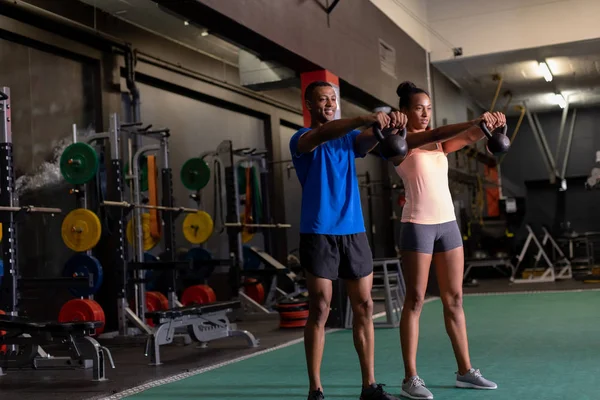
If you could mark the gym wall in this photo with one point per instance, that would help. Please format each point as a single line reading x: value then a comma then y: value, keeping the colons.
x: 524, y: 166
x: 49, y: 94
x: 347, y: 42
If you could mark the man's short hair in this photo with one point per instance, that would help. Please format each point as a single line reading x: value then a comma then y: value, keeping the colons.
x: 308, y: 92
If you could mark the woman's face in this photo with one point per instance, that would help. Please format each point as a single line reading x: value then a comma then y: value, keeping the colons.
x: 419, y: 113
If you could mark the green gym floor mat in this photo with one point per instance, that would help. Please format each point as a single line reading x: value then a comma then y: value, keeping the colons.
x: 534, y: 346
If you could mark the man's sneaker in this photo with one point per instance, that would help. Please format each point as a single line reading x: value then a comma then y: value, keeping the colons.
x: 414, y: 388
x: 316, y: 395
x: 376, y: 392
x: 473, y: 380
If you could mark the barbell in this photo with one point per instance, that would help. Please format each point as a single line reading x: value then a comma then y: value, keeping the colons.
x: 125, y: 204
x: 31, y: 209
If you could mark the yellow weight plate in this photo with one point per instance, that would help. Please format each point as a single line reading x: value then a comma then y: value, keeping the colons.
x: 0, y: 232
x: 247, y: 236
x: 247, y: 233
x: 148, y: 240
x: 198, y: 227
x: 81, y: 230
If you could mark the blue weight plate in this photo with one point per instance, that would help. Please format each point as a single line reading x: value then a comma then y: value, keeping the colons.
x: 251, y: 260
x: 149, y: 273
x: 1, y: 270
x: 84, y: 265
x: 198, y: 255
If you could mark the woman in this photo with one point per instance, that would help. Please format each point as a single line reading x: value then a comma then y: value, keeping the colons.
x: 429, y: 232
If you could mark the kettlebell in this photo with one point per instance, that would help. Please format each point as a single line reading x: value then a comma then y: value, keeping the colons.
x: 391, y: 145
x: 498, y: 142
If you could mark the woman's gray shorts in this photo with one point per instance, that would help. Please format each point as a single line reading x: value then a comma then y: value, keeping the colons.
x: 434, y: 238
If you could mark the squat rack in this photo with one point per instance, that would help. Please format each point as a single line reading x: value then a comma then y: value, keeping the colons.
x: 9, y: 212
x: 27, y: 348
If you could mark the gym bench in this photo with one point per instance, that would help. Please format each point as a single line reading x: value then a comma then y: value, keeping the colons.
x: 24, y: 339
x: 203, y: 322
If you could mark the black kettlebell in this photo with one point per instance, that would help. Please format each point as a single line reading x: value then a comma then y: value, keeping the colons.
x: 391, y: 145
x: 498, y: 142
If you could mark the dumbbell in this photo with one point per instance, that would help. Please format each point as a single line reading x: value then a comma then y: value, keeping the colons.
x: 498, y: 142
x: 391, y: 145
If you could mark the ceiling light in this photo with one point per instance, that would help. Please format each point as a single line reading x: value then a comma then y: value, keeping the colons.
x: 560, y: 100
x: 545, y: 71
x: 204, y: 33
x: 186, y: 23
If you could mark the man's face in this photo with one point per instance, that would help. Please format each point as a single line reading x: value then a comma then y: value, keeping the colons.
x: 324, y: 104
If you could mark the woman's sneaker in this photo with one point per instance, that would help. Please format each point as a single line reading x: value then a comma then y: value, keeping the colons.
x: 414, y: 388
x: 474, y: 380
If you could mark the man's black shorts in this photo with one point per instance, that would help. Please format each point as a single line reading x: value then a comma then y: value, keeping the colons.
x: 333, y: 256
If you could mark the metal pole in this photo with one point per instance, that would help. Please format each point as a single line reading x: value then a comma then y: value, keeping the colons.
x: 536, y: 135
x: 569, y: 141
x: 139, y: 237
x: 266, y: 204
x: 563, y: 122
x: 169, y: 220
x: 225, y: 153
x: 9, y: 293
x: 117, y: 193
x: 430, y: 85
x: 545, y: 144
x: 498, y: 87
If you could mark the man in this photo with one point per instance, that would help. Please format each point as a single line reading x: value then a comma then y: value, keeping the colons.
x: 333, y: 242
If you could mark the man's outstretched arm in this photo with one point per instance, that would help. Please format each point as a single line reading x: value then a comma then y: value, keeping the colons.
x: 336, y: 129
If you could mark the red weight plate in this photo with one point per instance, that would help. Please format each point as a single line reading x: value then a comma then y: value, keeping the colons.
x: 300, y: 323
x: 158, y: 300
x: 254, y: 290
x: 211, y: 294
x: 152, y: 304
x: 3, y: 347
x: 164, y: 302
x: 198, y: 294
x: 78, y: 310
x: 294, y: 315
x: 301, y: 305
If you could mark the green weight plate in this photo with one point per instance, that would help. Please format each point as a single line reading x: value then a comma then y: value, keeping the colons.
x: 79, y: 163
x: 143, y: 172
x: 195, y: 174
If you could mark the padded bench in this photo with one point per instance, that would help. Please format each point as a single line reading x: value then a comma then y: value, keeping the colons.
x: 28, y: 336
x: 203, y: 322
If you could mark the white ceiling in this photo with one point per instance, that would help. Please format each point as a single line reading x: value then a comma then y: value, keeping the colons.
x: 575, y: 68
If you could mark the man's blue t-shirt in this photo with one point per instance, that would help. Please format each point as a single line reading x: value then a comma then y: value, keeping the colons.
x: 330, y: 195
